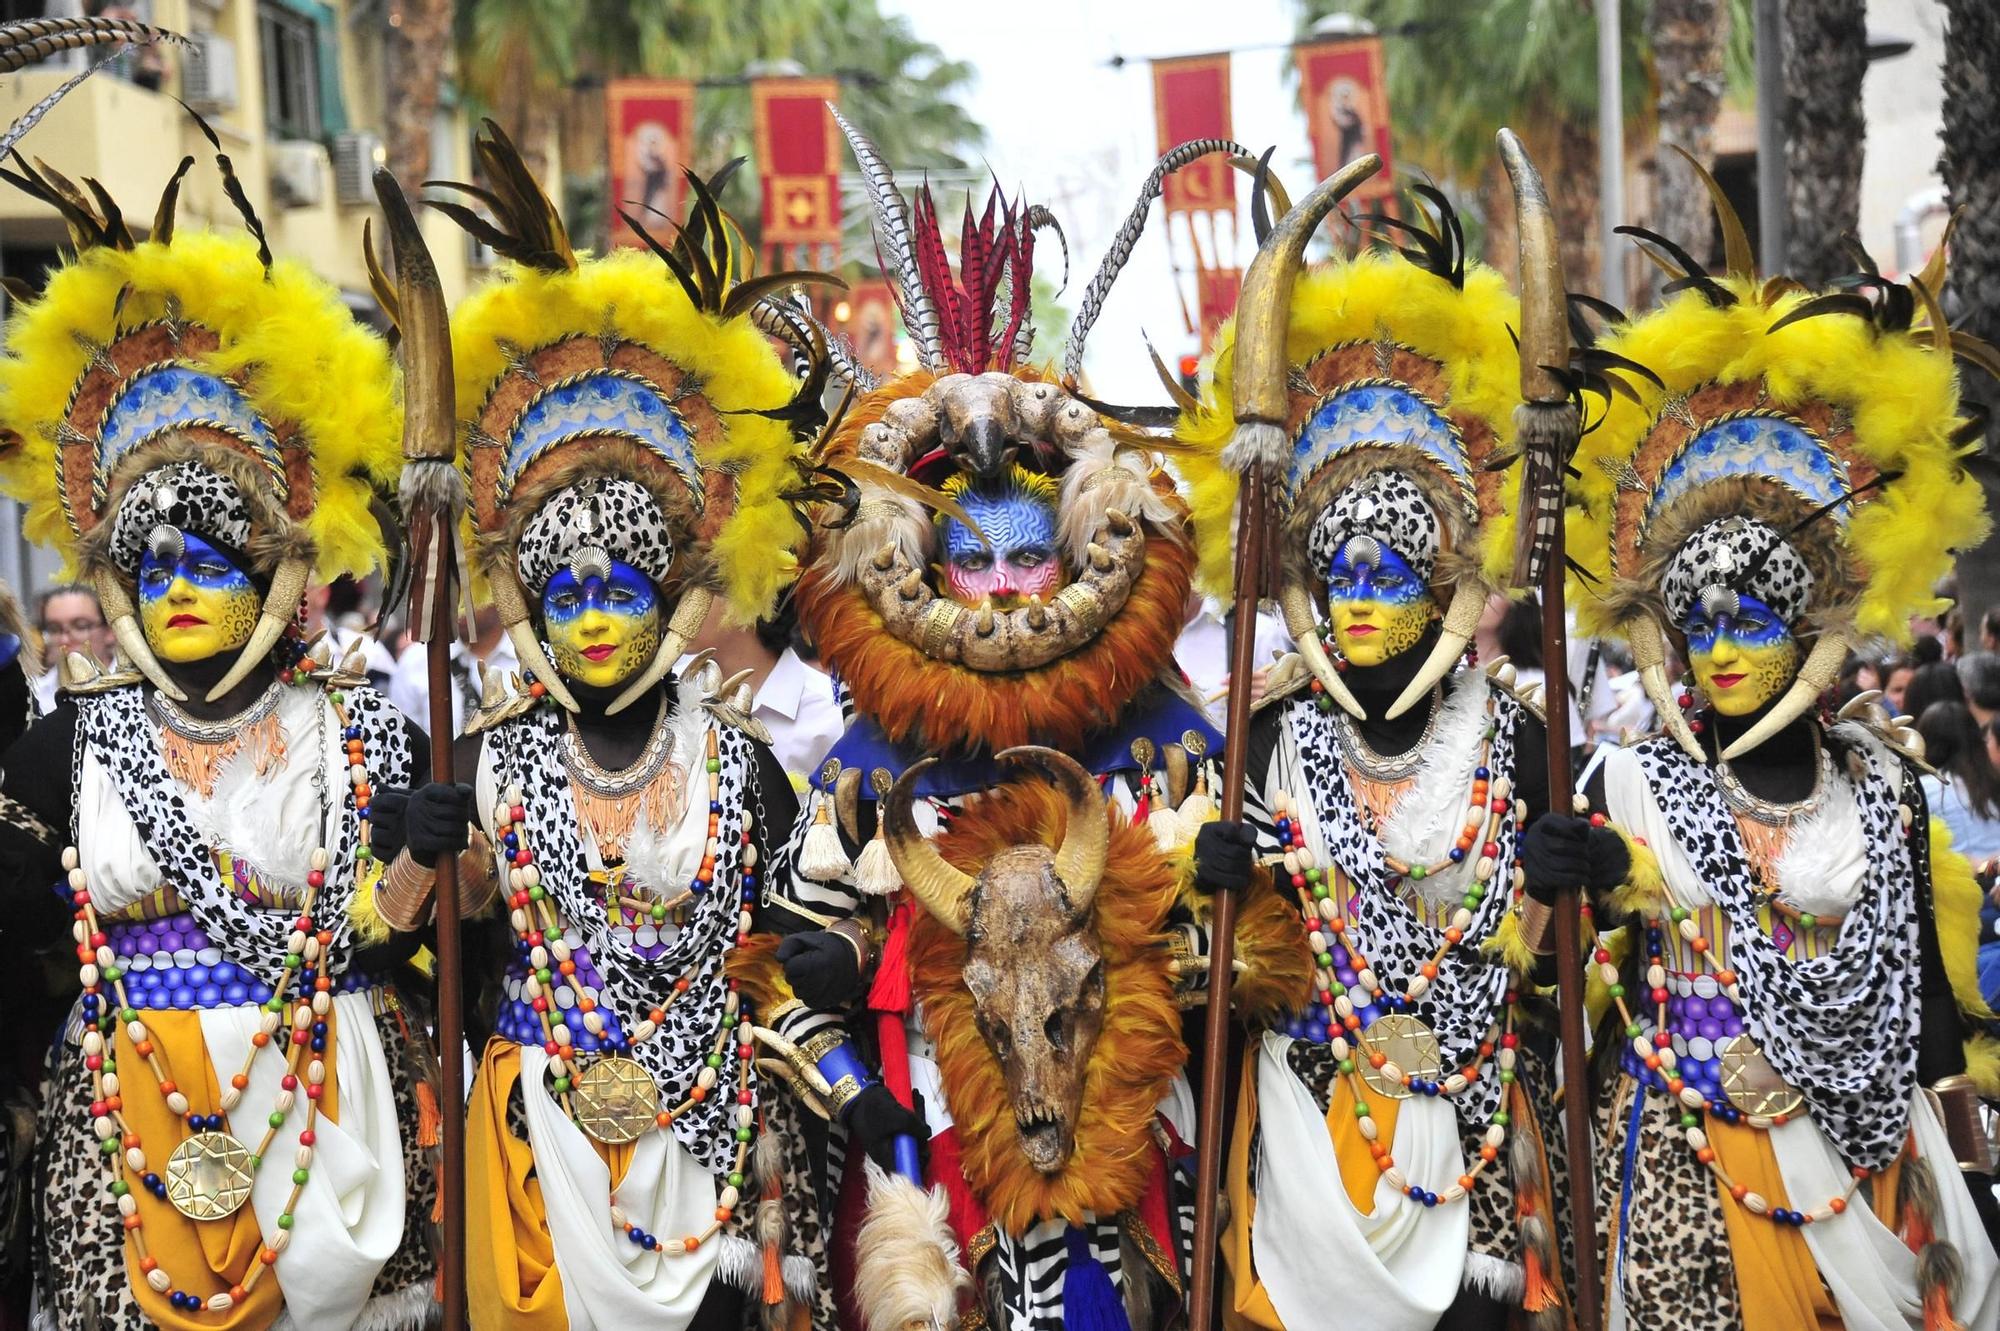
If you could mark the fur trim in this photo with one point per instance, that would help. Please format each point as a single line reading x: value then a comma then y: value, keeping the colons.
x: 285, y: 335
x: 1899, y: 393
x: 1982, y: 1065
x: 907, y: 1270
x: 753, y: 963
x: 1495, y: 1277
x: 1271, y: 943
x: 749, y: 532
x: 949, y: 709
x: 1955, y: 901
x: 1644, y: 890
x: 1120, y: 478
x: 740, y: 1265
x: 1374, y: 297
x: 1821, y: 868
x: 1135, y: 1057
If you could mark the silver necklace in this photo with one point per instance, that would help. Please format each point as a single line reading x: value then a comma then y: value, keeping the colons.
x: 587, y: 772
x: 1772, y: 813
x: 1386, y: 767
x: 176, y: 718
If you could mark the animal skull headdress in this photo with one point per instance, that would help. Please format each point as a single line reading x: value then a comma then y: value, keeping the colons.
x: 190, y: 384
x: 624, y: 408
x: 1801, y: 449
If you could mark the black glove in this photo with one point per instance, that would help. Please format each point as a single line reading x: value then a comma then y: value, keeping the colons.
x: 1223, y: 856
x: 388, y: 822
x: 1562, y: 851
x: 875, y: 1118
x: 823, y: 969
x: 438, y: 820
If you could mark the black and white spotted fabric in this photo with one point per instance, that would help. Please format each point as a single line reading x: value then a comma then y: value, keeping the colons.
x: 183, y: 495
x: 617, y: 516
x: 1842, y: 1027
x: 1470, y: 985
x: 114, y: 725
x: 1387, y: 506
x: 528, y: 753
x: 1739, y: 555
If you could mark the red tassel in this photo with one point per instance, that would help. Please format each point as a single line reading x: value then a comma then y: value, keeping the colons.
x: 890, y: 991
x: 1538, y: 1292
x: 1937, y: 1310
x: 1143, y: 808
x: 1917, y: 1232
x: 430, y: 1122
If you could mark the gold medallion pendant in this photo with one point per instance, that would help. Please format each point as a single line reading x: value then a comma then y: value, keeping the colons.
x: 1408, y: 1044
x: 616, y: 1101
x: 1751, y: 1083
x: 208, y: 1176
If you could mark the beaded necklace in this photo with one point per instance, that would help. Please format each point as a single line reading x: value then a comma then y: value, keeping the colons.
x: 209, y: 1150
x: 607, y: 1087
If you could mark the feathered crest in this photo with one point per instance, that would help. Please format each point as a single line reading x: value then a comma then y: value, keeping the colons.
x: 526, y: 226
x: 976, y: 333
x: 894, y: 245
x: 1435, y: 244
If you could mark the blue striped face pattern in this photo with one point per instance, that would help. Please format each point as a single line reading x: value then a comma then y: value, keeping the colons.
x: 1024, y: 559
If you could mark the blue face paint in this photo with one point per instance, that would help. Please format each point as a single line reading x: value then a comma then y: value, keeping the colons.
x: 626, y: 592
x: 1390, y: 580
x: 204, y: 566
x: 1754, y: 624
x: 1742, y: 657
x: 604, y: 629
x: 195, y: 604
x: 1022, y: 560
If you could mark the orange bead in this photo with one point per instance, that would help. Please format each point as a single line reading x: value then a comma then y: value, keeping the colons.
x: 692, y: 1241
x: 1725, y: 977
x: 1705, y: 1154
x: 1738, y: 1191
x: 723, y: 1213
x: 1430, y: 970
x: 1376, y: 1058
x: 1698, y: 943
x: 259, y: 1039
x: 1467, y: 1182
x: 664, y: 1118
x: 131, y: 1141
x: 131, y: 1222
x: 1453, y: 936
x: 362, y: 792
x: 237, y: 1293
x: 267, y: 1257
x: 239, y: 1081
x: 1838, y: 1205
x: 1489, y: 1153
x: 149, y: 1264
x: 145, y: 1050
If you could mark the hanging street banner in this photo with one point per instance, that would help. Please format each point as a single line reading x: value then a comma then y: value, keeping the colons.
x: 1191, y: 101
x: 1346, y: 100
x: 651, y: 125
x: 799, y: 154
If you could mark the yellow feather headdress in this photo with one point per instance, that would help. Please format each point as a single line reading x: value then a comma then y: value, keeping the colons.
x: 194, y: 348
x: 1832, y: 418
x: 644, y: 367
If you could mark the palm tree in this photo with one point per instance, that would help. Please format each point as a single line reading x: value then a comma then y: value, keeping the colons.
x: 1826, y: 54
x: 1689, y: 40
x: 1970, y: 165
x: 516, y: 57
x: 419, y: 37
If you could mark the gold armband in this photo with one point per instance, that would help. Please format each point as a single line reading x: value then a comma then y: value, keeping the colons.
x: 1537, y: 926
x: 403, y: 896
x: 856, y: 934
x: 844, y: 1092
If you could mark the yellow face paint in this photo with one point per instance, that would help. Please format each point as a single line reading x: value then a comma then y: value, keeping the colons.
x: 1379, y: 610
x: 1741, y: 659
x: 602, y: 630
x: 197, y: 605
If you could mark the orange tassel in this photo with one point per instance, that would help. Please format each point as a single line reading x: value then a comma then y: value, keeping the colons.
x: 1937, y: 1310
x: 774, y: 1278
x: 1538, y: 1292
x: 430, y: 1122
x: 1917, y: 1233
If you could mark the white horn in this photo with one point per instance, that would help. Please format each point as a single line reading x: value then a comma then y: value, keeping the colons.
x: 1816, y: 676
x: 1461, y: 622
x: 281, y: 606
x: 1303, y: 625
x: 117, y: 604
x: 689, y: 616
x: 1649, y: 658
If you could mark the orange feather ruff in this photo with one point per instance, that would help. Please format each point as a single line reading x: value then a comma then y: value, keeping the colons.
x: 946, y: 708
x: 1134, y: 1060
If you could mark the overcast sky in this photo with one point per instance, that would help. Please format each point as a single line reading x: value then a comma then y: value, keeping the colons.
x: 1078, y: 136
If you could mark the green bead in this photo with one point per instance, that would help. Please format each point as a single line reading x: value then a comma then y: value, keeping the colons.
x: 1679, y: 913
x: 562, y: 1085
x: 301, y: 1175
x: 277, y: 1120
x: 1346, y: 1067
x: 1507, y: 1076
x: 1314, y: 875
x: 1615, y: 990
x: 1689, y: 1119
x: 110, y: 1064
x: 715, y: 1060
x: 285, y: 1220
x: 659, y: 914
x: 129, y: 1014
x: 337, y: 697
x: 1807, y: 921
x: 1469, y: 901
x: 743, y: 1134
x: 109, y: 1147
x: 274, y: 1004
x: 363, y: 853
x: 1634, y: 1031
x: 120, y: 1188
x: 1324, y: 703
x: 113, y: 975
x: 1324, y: 959
x: 543, y: 975
x: 256, y: 1162
x: 1501, y: 1117
x: 1418, y: 872
x: 736, y: 1181
x: 538, y: 893
x: 1360, y: 1109
x: 1338, y: 990
x: 714, y: 764
x: 1321, y: 892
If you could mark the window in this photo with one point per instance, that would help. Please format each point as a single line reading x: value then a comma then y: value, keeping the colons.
x: 290, y: 44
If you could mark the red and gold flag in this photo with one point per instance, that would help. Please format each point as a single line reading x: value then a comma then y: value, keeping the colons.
x: 1346, y: 101
x: 1191, y: 101
x: 866, y: 317
x: 799, y: 156
x: 651, y: 123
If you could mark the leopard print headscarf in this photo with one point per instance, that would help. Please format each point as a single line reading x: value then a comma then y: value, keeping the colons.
x: 1385, y: 505
x: 185, y: 496
x: 1739, y: 555
x: 617, y: 516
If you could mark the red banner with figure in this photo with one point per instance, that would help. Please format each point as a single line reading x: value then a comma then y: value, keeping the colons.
x: 1191, y: 101
x: 1346, y: 100
x: 651, y: 125
x: 867, y: 318
x: 799, y: 155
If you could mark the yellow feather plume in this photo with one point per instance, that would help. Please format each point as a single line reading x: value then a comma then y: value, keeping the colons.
x: 308, y: 363
x: 1955, y: 902
x: 630, y: 295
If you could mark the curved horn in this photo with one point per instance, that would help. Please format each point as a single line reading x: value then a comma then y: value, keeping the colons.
x: 510, y: 602
x: 899, y: 254
x: 1544, y: 305
x: 1264, y: 311
x: 682, y: 629
x: 1303, y: 625
x: 1649, y: 658
x: 1461, y: 621
x: 1128, y: 235
x: 117, y: 603
x: 1087, y: 836
x: 281, y: 606
x: 943, y: 889
x: 1816, y: 676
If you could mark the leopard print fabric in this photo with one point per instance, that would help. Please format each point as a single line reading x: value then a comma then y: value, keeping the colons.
x: 183, y: 495
x: 617, y: 516
x: 1742, y: 555
x: 81, y: 1282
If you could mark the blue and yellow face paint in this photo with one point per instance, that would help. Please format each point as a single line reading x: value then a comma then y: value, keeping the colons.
x: 1021, y: 556
x: 602, y: 630
x: 1379, y: 606
x: 194, y: 602
x: 1742, y: 653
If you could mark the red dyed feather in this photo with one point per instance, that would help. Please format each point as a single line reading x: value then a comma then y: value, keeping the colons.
x: 995, y: 241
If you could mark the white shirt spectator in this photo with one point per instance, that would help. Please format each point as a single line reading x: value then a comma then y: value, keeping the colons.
x: 410, y: 685
x: 1203, y: 649
x: 796, y: 704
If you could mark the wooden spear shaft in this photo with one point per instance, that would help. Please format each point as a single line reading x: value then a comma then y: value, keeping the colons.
x: 1250, y: 562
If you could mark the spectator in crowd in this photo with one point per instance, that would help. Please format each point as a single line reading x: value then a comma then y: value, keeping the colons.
x: 1203, y: 650
x: 1518, y: 636
x: 335, y: 609
x: 410, y: 686
x: 1954, y: 634
x: 70, y: 621
x: 1993, y: 744
x: 1933, y: 683
x: 1897, y: 672
x: 1989, y: 630
x: 1965, y: 791
x: 1858, y: 675
x: 1926, y: 650
x: 1980, y: 674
